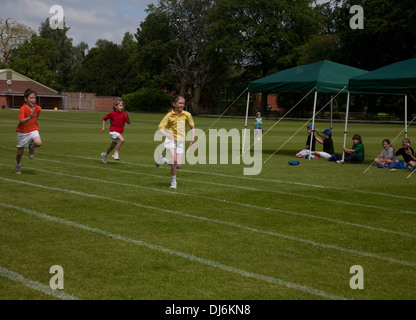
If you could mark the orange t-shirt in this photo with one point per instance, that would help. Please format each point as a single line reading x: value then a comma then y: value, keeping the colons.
x: 32, y: 124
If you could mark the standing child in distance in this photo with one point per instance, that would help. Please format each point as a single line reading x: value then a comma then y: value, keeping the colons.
x: 257, y: 128
x: 28, y: 128
x: 118, y: 117
x: 356, y: 154
x: 176, y: 121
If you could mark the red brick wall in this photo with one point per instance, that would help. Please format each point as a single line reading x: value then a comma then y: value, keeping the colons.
x: 21, y: 86
x: 104, y: 103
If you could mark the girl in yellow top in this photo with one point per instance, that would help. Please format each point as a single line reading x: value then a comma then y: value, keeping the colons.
x: 176, y: 121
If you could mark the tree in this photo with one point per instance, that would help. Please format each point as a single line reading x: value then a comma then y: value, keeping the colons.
x: 106, y: 70
x: 154, y: 51
x: 33, y: 59
x: 12, y: 35
x: 389, y: 31
x: 65, y: 59
x: 259, y: 35
x: 178, y: 28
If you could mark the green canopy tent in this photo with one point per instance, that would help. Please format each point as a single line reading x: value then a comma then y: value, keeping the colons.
x: 396, y: 78
x: 324, y: 76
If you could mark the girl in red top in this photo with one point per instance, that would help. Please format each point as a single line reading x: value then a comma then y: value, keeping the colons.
x: 28, y: 128
x: 118, y: 118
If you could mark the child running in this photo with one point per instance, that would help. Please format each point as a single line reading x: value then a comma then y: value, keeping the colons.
x: 28, y: 128
x: 118, y: 118
x: 176, y: 121
x: 257, y: 128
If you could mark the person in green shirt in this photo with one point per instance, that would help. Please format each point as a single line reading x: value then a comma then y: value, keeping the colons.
x: 356, y: 154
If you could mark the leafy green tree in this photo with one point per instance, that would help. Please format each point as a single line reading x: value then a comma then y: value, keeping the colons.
x: 154, y: 43
x: 33, y: 59
x: 105, y: 71
x: 389, y: 33
x: 259, y: 36
x: 64, y: 61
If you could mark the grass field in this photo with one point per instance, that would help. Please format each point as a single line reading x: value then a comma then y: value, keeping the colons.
x: 119, y: 232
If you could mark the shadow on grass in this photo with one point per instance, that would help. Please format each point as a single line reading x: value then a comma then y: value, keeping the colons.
x: 290, y: 153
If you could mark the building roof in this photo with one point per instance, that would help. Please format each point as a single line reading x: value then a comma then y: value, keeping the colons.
x: 12, y: 82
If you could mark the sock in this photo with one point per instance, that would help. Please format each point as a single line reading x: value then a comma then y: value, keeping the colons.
x: 18, y: 164
x: 173, y: 178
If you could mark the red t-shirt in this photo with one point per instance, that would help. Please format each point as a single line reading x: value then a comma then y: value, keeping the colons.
x: 117, y: 121
x: 30, y: 125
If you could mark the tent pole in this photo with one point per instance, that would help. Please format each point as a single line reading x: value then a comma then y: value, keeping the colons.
x: 245, y: 124
x: 346, y: 124
x: 331, y: 112
x: 313, y: 126
x: 405, y: 116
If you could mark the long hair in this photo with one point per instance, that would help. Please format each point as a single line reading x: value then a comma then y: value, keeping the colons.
x: 357, y: 137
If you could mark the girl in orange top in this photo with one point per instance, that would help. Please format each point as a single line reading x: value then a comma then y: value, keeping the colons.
x: 28, y: 128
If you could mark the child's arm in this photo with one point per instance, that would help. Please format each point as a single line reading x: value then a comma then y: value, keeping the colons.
x: 103, y: 127
x: 32, y: 114
x: 348, y: 150
x: 128, y: 116
x: 167, y: 134
x: 193, y: 136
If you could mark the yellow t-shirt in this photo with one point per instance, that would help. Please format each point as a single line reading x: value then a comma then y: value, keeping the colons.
x: 177, y: 123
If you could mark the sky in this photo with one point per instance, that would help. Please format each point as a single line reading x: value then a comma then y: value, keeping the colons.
x: 88, y: 20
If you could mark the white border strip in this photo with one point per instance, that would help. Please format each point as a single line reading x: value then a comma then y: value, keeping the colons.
x: 34, y: 284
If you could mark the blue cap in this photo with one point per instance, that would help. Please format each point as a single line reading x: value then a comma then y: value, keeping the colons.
x: 328, y: 132
x: 293, y: 162
x: 310, y: 127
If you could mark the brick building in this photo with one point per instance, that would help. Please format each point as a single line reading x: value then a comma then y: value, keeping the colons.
x: 13, y: 86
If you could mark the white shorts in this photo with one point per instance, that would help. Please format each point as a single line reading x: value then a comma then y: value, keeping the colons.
x: 178, y: 145
x: 114, y: 135
x: 23, y: 139
x: 325, y: 155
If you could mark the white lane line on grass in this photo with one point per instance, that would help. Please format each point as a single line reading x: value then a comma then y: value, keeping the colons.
x: 383, y: 208
x: 227, y: 202
x: 230, y: 224
x: 11, y: 275
x: 210, y: 263
x: 366, y: 192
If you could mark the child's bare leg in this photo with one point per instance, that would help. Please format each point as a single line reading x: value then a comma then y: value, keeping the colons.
x: 119, y: 143
x: 19, y: 155
x: 111, y: 147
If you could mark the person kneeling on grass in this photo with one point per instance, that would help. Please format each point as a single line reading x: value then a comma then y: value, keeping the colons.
x: 305, y: 152
x: 118, y: 118
x: 328, y: 145
x: 356, y: 154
